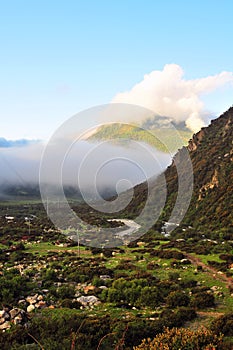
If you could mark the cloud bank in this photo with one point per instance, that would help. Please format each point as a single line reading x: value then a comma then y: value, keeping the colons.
x: 87, y: 166
x: 169, y: 94
x: 20, y: 164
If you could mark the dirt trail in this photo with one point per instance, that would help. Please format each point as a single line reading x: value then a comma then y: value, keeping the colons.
x: 206, y: 317
x: 221, y: 276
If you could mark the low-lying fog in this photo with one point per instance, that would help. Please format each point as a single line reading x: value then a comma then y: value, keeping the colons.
x: 89, y: 167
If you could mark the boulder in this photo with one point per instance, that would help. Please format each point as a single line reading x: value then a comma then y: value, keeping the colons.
x: 103, y: 287
x: 41, y: 304
x: 32, y: 299
x: 30, y: 308
x: 88, y: 289
x: 22, y: 302
x: 90, y: 300
x: 15, y: 312
x: 5, y: 325
x: 104, y: 277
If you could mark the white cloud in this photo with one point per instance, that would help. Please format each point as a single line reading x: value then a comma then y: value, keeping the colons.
x: 168, y: 93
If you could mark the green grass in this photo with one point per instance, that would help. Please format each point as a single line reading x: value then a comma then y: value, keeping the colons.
x: 162, y: 271
x: 2, y: 246
x: 209, y: 257
x: 43, y: 248
x: 112, y: 262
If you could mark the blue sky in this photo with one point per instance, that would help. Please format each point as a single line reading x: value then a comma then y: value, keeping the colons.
x: 60, y: 57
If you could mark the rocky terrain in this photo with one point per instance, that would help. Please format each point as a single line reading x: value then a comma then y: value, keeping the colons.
x: 56, y: 294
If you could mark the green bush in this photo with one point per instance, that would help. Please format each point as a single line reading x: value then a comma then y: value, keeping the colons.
x: 223, y: 324
x: 178, y: 298
x: 203, y: 300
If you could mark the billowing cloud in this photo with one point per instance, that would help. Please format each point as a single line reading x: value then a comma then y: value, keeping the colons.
x: 169, y: 94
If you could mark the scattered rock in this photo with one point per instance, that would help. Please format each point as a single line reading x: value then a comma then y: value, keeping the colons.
x: 41, y: 304
x: 104, y: 277
x: 5, y: 325
x: 103, y: 287
x: 15, y: 312
x: 90, y: 300
x: 22, y: 302
x: 2, y: 320
x: 32, y: 299
x: 87, y: 289
x: 30, y: 308
x: 14, y: 316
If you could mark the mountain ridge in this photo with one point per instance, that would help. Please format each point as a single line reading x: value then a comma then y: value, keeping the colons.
x: 211, y: 205
x: 169, y: 138
x: 4, y: 143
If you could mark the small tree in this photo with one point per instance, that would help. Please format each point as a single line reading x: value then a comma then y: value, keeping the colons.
x: 203, y: 300
x: 150, y: 296
x: 178, y: 298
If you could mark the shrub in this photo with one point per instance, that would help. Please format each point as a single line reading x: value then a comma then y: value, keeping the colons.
x: 150, y: 296
x: 223, y: 324
x: 178, y: 298
x: 182, y: 339
x: 173, y: 276
x: 186, y: 314
x: 203, y: 300
x: 65, y: 292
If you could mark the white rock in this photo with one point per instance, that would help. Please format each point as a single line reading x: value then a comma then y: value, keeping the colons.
x: 30, y: 308
x: 88, y: 300
x: 32, y: 299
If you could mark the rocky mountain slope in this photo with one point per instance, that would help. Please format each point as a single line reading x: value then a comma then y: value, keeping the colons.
x: 211, y: 154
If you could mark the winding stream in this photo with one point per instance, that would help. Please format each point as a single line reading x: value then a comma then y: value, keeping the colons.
x: 132, y: 227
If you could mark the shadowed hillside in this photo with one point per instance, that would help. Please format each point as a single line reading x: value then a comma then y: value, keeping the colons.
x: 211, y: 153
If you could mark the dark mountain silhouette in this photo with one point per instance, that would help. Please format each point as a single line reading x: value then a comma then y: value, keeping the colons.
x: 4, y: 143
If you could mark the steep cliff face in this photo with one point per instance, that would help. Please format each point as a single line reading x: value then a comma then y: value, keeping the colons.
x: 214, y: 182
x: 196, y: 140
x: 211, y: 153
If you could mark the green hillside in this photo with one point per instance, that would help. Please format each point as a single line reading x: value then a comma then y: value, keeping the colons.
x: 163, y: 139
